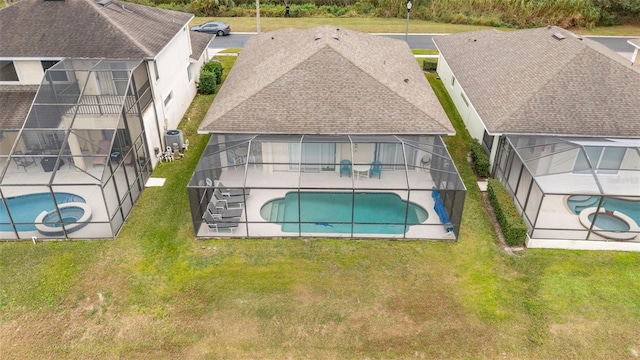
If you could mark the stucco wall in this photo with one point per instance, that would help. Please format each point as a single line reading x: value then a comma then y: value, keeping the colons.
x: 172, y: 63
x: 463, y: 104
x: 29, y: 72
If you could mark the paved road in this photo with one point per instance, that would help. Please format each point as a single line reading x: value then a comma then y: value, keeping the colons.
x: 420, y: 41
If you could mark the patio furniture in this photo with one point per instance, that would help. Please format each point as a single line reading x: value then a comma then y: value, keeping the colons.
x: 345, y: 167
x: 376, y: 168
x: 361, y: 171
x: 232, y: 192
x: 229, y: 200
x: 219, y: 224
x: 22, y: 161
x: 219, y: 209
x: 103, y: 151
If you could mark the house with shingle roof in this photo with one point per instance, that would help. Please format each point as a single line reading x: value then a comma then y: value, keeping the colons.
x: 559, y: 117
x: 326, y: 132
x: 88, y: 90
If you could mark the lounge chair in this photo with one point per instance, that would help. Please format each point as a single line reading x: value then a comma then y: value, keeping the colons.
x: 219, y: 224
x: 233, y: 191
x: 376, y: 168
x: 345, y: 167
x: 219, y: 209
x: 229, y: 200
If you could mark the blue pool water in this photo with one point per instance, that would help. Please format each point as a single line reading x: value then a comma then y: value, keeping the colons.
x: 25, y: 208
x: 331, y: 212
x: 608, y: 222
x: 577, y: 203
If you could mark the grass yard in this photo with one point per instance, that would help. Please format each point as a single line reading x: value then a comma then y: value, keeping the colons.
x: 385, y: 25
x: 156, y: 292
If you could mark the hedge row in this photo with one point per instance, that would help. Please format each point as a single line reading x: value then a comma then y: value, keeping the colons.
x: 513, y: 227
x: 480, y: 159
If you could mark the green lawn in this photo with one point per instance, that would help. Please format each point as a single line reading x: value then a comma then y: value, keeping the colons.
x: 156, y: 292
x: 384, y: 25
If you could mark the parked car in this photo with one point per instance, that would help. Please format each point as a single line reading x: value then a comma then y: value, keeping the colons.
x: 213, y: 27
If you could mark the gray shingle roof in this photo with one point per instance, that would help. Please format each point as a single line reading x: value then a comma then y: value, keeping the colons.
x: 326, y: 81
x: 529, y: 82
x: 82, y: 28
x: 18, y: 99
x: 199, y: 42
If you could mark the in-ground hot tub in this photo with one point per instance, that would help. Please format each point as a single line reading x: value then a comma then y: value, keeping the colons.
x: 609, y: 224
x: 75, y: 216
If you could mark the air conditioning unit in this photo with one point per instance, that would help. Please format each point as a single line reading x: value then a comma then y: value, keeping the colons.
x: 174, y: 137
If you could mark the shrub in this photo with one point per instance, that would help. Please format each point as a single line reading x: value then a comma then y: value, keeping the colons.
x: 429, y: 64
x: 207, y: 83
x: 480, y: 159
x: 214, y: 66
x: 513, y: 227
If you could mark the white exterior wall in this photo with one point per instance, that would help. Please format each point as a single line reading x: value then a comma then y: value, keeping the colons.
x: 196, y: 66
x: 465, y: 108
x: 29, y: 72
x: 172, y: 63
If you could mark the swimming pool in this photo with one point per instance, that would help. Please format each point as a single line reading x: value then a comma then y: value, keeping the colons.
x: 26, y: 208
x: 615, y: 219
x: 331, y: 212
x: 577, y: 203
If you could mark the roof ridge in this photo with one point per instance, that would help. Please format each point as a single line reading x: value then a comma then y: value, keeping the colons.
x: 117, y: 26
x: 534, y: 94
x: 387, y: 87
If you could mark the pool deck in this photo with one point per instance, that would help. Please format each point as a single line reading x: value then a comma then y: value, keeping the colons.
x: 253, y: 225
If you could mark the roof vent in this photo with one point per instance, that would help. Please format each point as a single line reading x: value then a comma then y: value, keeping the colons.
x: 558, y: 36
x: 105, y: 2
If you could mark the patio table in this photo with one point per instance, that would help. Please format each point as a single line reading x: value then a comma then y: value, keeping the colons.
x: 360, y: 170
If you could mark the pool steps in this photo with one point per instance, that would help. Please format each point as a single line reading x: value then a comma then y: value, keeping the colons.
x: 586, y: 203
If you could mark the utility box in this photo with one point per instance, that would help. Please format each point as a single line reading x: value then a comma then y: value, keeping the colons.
x: 174, y: 137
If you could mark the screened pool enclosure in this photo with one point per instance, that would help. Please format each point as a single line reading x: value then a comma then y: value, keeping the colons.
x: 80, y: 161
x: 574, y: 192
x: 403, y: 187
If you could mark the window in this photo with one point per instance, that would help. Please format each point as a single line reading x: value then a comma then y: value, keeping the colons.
x: 487, y: 142
x: 315, y: 156
x: 8, y: 71
x: 464, y: 99
x: 604, y: 159
x: 189, y: 73
x: 54, y: 76
x: 453, y: 81
x: 168, y: 99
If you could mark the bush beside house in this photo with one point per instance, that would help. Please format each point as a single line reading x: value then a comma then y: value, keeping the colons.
x: 480, y: 159
x: 513, y: 227
x: 210, y: 77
